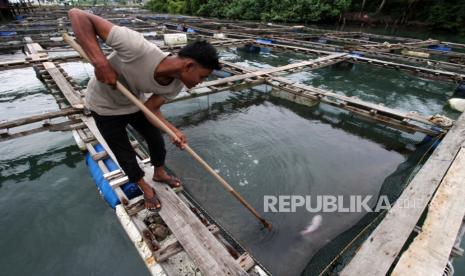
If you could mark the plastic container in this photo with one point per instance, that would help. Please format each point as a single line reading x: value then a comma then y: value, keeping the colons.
x: 130, y: 189
x: 175, y: 39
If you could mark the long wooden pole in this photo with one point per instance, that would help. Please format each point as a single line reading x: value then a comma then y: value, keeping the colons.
x: 163, y: 127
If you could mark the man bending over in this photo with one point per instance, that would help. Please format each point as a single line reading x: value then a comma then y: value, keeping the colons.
x: 143, y: 68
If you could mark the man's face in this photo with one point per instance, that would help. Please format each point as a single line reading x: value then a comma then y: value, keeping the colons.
x: 193, y: 73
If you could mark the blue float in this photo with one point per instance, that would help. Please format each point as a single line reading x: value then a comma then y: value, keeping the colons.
x: 221, y: 73
x: 428, y: 139
x: 357, y: 54
x: 264, y: 41
x: 102, y: 184
x: 130, y: 189
x: 8, y: 33
x: 440, y: 48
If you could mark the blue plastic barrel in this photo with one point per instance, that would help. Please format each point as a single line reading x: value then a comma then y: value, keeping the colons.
x: 102, y: 184
x: 357, y: 54
x: 221, y: 73
x: 8, y: 33
x: 440, y: 48
x: 130, y: 189
x: 264, y: 41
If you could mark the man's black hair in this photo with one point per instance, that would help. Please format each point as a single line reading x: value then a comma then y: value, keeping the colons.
x: 203, y: 53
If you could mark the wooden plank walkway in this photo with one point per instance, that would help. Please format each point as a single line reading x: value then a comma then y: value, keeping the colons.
x: 319, y: 62
x: 429, y: 253
x: 40, y: 117
x: 207, y: 253
x: 63, y: 126
x: 90, y: 123
x: 382, y: 114
x: 34, y: 51
x: 285, y: 42
x: 445, y: 75
x: 31, y: 60
x: 438, y: 73
x: 202, y: 247
x: 66, y: 88
x: 436, y: 64
x: 406, y: 45
x: 381, y: 248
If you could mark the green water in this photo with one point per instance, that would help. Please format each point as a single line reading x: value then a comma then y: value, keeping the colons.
x: 55, y: 223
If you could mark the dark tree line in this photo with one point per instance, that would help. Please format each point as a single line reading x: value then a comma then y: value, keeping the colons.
x: 438, y: 14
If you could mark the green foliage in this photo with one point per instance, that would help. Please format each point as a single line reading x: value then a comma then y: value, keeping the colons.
x: 176, y: 6
x: 268, y: 10
x: 448, y: 15
x: 441, y: 14
x: 244, y: 9
x: 213, y: 8
x: 157, y: 5
x: 304, y: 10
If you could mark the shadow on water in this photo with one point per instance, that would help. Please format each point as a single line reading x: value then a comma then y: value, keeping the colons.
x: 32, y: 167
x: 390, y: 139
x: 235, y: 102
x: 12, y: 96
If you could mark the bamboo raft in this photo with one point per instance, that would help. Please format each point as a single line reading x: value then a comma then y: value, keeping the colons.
x: 195, y: 239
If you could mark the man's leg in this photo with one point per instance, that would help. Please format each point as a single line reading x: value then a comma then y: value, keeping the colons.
x: 113, y: 130
x: 156, y: 145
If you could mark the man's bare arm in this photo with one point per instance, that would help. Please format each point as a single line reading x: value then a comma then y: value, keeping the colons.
x: 86, y: 28
x: 154, y: 103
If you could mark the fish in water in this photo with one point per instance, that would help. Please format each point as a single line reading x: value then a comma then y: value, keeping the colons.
x: 313, y: 226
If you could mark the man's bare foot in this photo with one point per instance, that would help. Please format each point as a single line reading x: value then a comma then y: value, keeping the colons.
x: 160, y: 175
x: 152, y: 203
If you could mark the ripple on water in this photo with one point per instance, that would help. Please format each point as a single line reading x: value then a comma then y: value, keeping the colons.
x: 278, y: 152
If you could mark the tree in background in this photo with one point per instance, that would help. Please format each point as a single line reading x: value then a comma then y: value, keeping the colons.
x: 448, y: 15
x: 439, y: 14
x: 157, y: 5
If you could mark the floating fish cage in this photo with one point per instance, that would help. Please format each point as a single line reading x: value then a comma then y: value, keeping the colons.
x: 297, y: 116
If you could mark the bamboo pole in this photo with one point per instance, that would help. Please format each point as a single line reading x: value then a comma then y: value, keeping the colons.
x: 163, y: 127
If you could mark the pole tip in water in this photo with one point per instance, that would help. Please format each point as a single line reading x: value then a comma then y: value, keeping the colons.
x: 267, y: 224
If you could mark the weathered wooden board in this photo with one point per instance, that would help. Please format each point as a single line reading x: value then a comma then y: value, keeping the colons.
x: 349, y: 102
x: 272, y: 70
x: 445, y: 74
x: 63, y: 126
x: 136, y: 237
x: 65, y: 87
x: 202, y: 247
x: 451, y: 75
x: 429, y: 252
x: 38, y: 118
x: 90, y: 123
x: 379, y: 251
